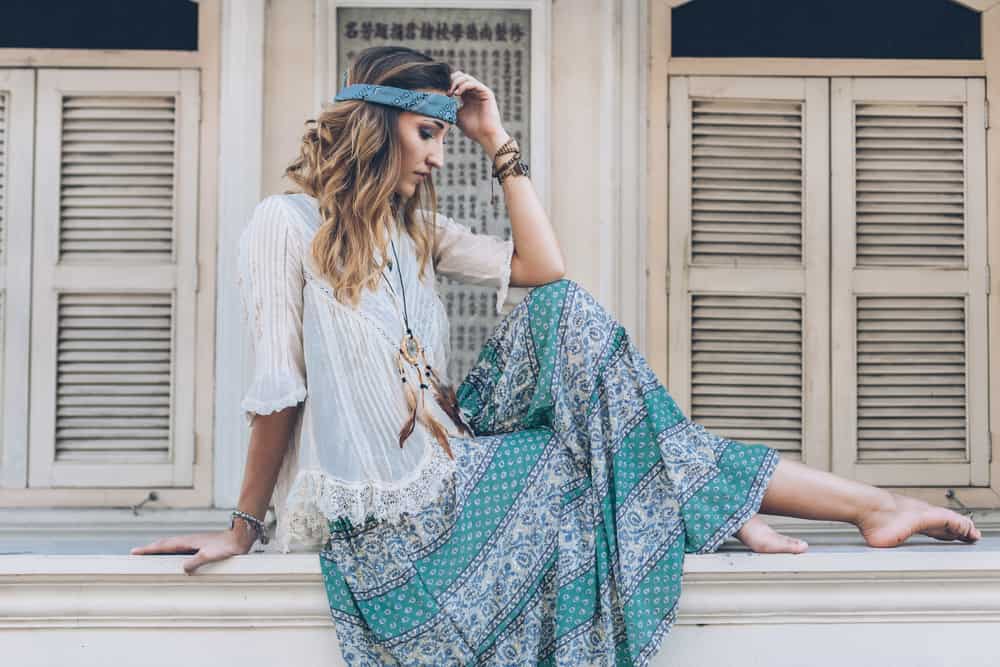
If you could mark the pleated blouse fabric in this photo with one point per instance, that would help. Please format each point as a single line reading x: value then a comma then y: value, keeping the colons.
x: 338, y: 361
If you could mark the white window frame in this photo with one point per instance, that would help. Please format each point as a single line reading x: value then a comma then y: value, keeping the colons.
x: 15, y: 275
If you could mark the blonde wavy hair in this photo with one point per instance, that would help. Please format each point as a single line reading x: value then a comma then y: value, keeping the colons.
x: 349, y: 161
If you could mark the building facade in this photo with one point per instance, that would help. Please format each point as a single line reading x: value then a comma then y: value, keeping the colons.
x: 797, y: 228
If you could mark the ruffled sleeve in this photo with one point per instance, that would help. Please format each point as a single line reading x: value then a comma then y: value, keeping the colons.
x: 271, y: 283
x: 476, y: 259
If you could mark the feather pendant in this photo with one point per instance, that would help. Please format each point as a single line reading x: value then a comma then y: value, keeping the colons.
x: 445, y: 395
x: 435, y: 427
x: 411, y: 401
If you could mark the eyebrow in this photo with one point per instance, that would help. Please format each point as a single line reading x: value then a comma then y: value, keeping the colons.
x: 439, y: 124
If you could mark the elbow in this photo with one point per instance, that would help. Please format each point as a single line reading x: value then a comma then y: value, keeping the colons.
x: 559, y: 269
x: 557, y: 273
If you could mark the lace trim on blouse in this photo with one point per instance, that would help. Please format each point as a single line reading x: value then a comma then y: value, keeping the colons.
x: 316, y: 498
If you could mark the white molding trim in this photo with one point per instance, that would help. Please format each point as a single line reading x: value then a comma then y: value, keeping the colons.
x: 99, y: 531
x: 327, y: 78
x: 919, y: 604
x: 976, y: 5
x: 25, y: 524
x: 15, y: 276
x: 241, y: 139
x: 921, y: 583
x: 633, y: 64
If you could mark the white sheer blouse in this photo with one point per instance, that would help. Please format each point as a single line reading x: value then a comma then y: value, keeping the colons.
x: 344, y: 458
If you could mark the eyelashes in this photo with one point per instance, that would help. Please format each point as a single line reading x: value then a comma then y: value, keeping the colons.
x: 427, y: 134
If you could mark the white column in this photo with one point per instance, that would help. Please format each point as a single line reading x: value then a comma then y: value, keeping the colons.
x: 633, y: 59
x: 240, y: 151
x: 599, y: 60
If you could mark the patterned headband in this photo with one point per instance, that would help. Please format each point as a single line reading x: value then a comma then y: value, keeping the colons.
x: 434, y: 105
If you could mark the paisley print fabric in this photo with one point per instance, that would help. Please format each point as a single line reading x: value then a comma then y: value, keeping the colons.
x: 560, y: 539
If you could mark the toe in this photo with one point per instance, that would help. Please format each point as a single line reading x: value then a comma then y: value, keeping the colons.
x: 782, y: 544
x: 951, y: 526
x: 961, y: 527
x: 796, y: 546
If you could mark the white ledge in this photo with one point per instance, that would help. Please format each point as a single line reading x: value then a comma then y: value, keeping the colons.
x: 926, y: 603
x: 830, y: 583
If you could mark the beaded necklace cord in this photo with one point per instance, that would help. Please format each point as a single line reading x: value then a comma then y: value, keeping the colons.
x: 412, y: 352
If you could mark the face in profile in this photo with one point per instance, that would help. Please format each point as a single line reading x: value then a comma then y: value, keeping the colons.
x: 421, y: 142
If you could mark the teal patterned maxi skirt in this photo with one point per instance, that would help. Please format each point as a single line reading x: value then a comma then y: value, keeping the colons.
x: 561, y: 539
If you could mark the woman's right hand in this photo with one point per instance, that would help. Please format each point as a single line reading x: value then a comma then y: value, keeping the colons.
x: 206, y: 547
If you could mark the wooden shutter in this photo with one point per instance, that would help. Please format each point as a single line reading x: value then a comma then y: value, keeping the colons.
x: 17, y: 100
x: 115, y: 278
x: 909, y: 281
x: 749, y: 308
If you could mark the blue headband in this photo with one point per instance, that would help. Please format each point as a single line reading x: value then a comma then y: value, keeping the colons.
x: 434, y: 105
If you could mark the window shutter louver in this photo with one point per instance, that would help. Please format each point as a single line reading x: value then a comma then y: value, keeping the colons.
x: 749, y: 259
x: 746, y: 367
x: 746, y: 182
x: 126, y: 337
x: 911, y: 378
x: 909, y: 184
x: 909, y: 281
x: 117, y: 178
x: 17, y: 123
x: 115, y: 273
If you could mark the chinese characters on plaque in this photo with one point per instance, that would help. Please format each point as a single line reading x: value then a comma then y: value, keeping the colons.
x: 493, y: 46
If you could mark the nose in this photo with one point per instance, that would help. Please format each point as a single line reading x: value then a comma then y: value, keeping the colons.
x: 436, y: 157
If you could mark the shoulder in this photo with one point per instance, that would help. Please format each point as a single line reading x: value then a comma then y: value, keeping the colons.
x: 293, y: 210
x: 282, y: 217
x: 278, y: 223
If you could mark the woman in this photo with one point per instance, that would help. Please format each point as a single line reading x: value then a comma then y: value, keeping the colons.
x: 540, y: 514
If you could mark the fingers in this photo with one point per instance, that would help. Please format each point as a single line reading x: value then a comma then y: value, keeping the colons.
x: 208, y: 554
x: 170, y: 545
x: 205, y: 547
x: 192, y: 564
x: 461, y: 82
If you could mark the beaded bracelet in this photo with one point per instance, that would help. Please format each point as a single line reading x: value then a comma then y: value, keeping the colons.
x: 510, y: 146
x: 514, y: 166
x: 254, y: 522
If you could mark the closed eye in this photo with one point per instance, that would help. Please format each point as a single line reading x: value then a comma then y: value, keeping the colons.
x: 426, y: 134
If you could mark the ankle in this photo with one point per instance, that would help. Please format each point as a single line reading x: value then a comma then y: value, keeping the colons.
x: 875, y: 501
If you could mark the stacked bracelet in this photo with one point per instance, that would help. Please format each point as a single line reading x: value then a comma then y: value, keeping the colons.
x: 254, y: 522
x: 513, y: 167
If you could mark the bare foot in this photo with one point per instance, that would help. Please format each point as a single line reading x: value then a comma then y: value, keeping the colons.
x: 902, y: 516
x: 759, y: 537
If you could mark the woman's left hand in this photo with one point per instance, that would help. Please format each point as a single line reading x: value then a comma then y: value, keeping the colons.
x: 479, y: 115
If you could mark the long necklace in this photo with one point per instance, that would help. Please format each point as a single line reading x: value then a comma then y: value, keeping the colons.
x: 411, y: 355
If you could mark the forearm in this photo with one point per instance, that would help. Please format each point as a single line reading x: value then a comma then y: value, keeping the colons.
x: 537, y: 256
x: 268, y: 442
